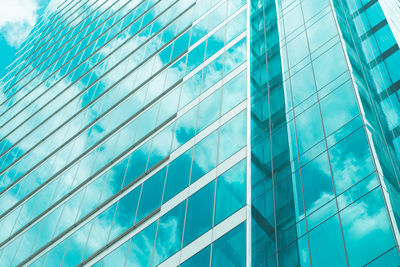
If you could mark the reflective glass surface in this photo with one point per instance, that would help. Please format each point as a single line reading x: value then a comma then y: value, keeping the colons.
x: 203, y: 133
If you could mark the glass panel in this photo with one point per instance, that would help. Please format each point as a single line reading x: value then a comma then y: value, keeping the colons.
x: 151, y: 195
x: 297, y: 49
x: 325, y: 241
x: 141, y: 247
x: 317, y: 183
x: 305, y: 136
x: 137, y: 163
x: 199, y: 214
x: 185, y: 128
x: 234, y: 92
x: 232, y: 137
x: 338, y: 108
x: 350, y: 165
x: 205, y: 156
x: 209, y: 110
x: 125, y: 214
x: 329, y: 66
x: 303, y: 85
x: 231, y: 191
x: 389, y: 258
x: 230, y: 249
x: 178, y: 175
x: 200, y: 259
x: 117, y: 257
x: 169, y: 234
x: 366, y: 228
x: 321, y: 31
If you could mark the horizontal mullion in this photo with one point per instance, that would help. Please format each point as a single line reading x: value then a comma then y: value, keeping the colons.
x: 40, y: 46
x: 179, y: 114
x: 18, y: 178
x: 71, y: 38
x: 70, y: 60
x: 30, y: 63
x: 95, y: 83
x: 140, y: 180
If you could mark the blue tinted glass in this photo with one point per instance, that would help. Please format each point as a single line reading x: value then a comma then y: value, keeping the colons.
x: 230, y: 249
x: 195, y: 57
x: 53, y: 257
x: 311, y: 118
x: 338, y: 108
x: 366, y: 228
x: 126, y: 210
x: 199, y: 214
x: 326, y: 240
x: 185, y: 128
x: 209, y: 110
x: 137, y: 163
x: 169, y: 234
x: 232, y: 136
x: 200, y: 259
x: 151, y: 195
x: 215, y: 42
x: 117, y: 257
x: 389, y: 258
x: 321, y: 31
x: 297, y: 49
x: 141, y: 247
x: 385, y: 38
x: 350, y: 165
x: 231, y: 191
x: 293, y: 18
x: 329, y: 66
x: 317, y: 183
x: 303, y: 85
x: 205, y: 156
x: 234, y: 92
x: 392, y: 63
x: 178, y: 175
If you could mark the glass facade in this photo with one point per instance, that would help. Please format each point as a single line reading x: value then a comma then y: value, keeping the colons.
x: 203, y: 133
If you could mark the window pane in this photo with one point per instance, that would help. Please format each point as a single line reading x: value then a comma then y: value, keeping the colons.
x: 137, y: 163
x: 169, y: 234
x: 234, y: 92
x: 117, y: 257
x: 389, y: 258
x: 231, y: 191
x: 230, y: 249
x: 326, y: 241
x: 366, y: 228
x: 178, y: 175
x: 308, y: 137
x: 338, y: 108
x: 125, y: 214
x: 151, y: 195
x: 199, y: 213
x: 141, y: 247
x: 209, y: 110
x: 232, y: 137
x: 317, y: 183
x: 200, y: 259
x: 205, y: 156
x: 321, y: 31
x: 350, y: 165
x: 329, y: 66
x: 303, y: 86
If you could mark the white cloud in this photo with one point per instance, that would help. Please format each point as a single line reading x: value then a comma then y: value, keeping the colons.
x: 17, y: 18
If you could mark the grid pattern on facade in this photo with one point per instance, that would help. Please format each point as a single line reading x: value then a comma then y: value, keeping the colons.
x: 119, y: 110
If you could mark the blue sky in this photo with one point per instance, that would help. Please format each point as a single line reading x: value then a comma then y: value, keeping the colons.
x: 17, y: 18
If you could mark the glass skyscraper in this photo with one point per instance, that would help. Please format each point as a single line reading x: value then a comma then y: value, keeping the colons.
x: 203, y: 133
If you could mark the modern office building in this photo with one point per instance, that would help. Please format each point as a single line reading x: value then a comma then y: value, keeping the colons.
x: 203, y: 133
